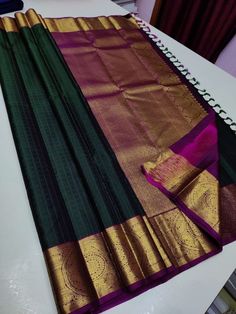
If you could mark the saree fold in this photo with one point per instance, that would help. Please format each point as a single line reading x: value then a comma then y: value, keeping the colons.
x: 97, y: 114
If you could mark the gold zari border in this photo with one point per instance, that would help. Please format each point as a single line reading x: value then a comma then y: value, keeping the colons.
x: 121, y: 255
x: 105, y: 262
x: 68, y: 24
x: 197, y: 188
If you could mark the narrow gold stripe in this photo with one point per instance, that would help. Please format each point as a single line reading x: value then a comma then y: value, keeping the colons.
x: 133, y: 21
x: 9, y: 24
x: 33, y: 17
x: 122, y: 22
x: 82, y: 23
x: 51, y: 25
x: 21, y: 20
x: 106, y: 24
x: 42, y: 21
x: 115, y: 22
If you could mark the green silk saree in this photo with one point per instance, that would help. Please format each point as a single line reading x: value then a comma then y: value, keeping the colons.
x: 129, y: 171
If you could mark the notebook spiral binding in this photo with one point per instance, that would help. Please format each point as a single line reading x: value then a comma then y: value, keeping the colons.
x: 211, y: 101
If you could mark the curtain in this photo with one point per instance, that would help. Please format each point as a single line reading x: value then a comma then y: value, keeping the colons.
x: 203, y: 26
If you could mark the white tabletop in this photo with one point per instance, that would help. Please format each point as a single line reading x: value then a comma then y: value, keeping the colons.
x: 24, y: 283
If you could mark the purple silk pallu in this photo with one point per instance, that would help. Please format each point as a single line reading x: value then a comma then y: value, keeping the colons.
x: 135, y: 178
x: 124, y: 77
x: 187, y: 171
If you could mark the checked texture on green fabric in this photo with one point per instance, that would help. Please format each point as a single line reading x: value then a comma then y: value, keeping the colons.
x: 75, y: 184
x: 91, y: 138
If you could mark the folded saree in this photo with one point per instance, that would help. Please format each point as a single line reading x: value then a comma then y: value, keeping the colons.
x: 130, y: 173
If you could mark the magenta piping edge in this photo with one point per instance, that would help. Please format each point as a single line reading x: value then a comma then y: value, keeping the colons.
x: 122, y: 295
x: 194, y: 132
x: 204, y: 164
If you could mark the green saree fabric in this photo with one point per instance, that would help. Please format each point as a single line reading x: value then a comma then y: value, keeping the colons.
x: 83, y: 127
x: 72, y: 153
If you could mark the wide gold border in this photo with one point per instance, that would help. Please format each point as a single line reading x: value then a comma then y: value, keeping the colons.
x: 8, y: 24
x: 67, y: 24
x: 90, y: 23
x: 197, y: 188
x: 99, y: 264
x: 85, y: 271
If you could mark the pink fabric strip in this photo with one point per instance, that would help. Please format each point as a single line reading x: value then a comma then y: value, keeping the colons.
x: 199, y: 146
